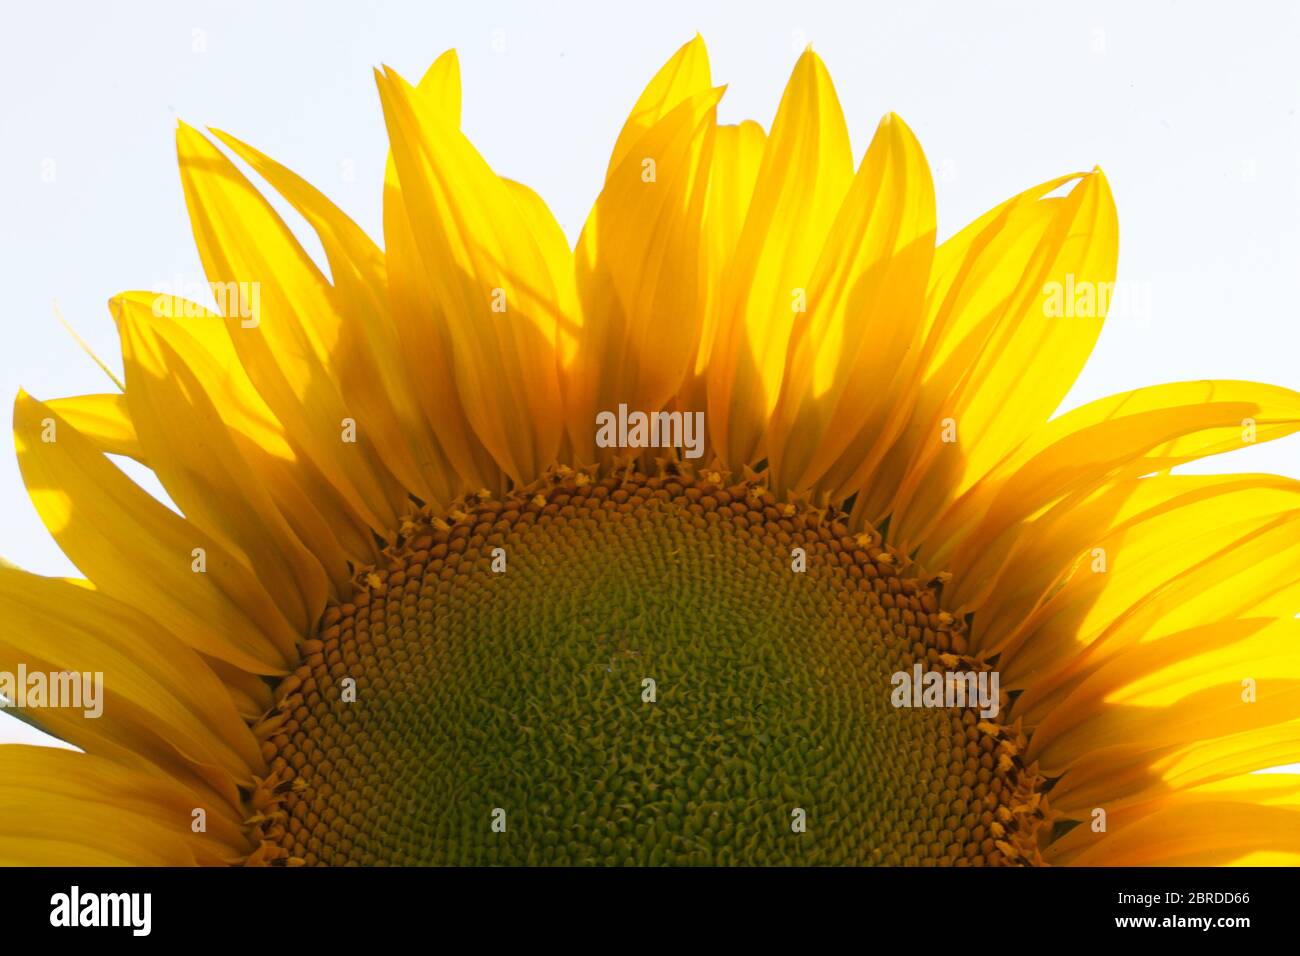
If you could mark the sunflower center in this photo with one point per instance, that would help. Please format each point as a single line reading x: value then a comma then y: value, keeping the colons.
x: 638, y: 670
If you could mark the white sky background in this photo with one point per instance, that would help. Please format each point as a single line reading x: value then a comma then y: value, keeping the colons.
x: 1190, y: 108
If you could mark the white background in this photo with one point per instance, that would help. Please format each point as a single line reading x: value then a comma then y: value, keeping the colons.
x: 1190, y: 108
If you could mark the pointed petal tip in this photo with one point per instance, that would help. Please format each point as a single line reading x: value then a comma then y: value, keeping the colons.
x: 191, y: 138
x: 693, y: 49
x: 119, y: 305
x: 695, y: 46
x: 230, y: 139
x: 892, y: 121
x: 894, y: 131
x: 811, y: 63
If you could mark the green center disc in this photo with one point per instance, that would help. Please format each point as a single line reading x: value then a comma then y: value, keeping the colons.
x: 634, y: 671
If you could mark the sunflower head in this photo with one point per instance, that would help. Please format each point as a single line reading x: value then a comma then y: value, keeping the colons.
x: 739, y: 532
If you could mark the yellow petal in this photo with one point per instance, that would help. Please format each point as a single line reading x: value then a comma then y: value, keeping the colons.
x: 1062, y: 543
x: 489, y: 277
x: 1181, y: 690
x: 319, y: 514
x: 204, y: 473
x: 1186, y: 552
x: 995, y: 298
x: 1020, y: 390
x: 421, y: 326
x: 1263, y: 412
x: 962, y: 308
x: 137, y: 550
x: 1212, y: 826
x: 250, y: 695
x: 282, y: 321
x: 685, y: 75
x: 59, y: 807
x: 440, y: 88
x: 733, y: 170
x: 104, y: 420
x: 806, y: 171
x: 1128, y: 777
x: 854, y: 352
x: 368, y: 357
x: 640, y: 287
x: 159, y: 701
x: 1150, y: 429
x: 1210, y: 760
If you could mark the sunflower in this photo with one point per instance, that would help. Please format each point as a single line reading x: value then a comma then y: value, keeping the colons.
x: 411, y: 607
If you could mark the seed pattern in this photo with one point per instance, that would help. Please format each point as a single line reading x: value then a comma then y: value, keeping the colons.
x: 524, y: 691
